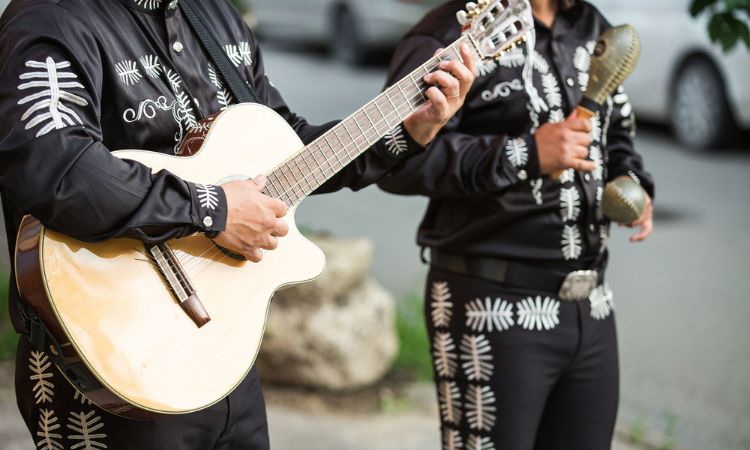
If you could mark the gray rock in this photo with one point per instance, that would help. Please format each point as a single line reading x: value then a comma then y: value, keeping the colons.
x: 336, y: 333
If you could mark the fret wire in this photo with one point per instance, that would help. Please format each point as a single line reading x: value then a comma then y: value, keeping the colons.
x: 382, y: 114
x: 356, y: 122
x: 298, y: 182
x: 344, y: 146
x: 335, y: 153
x: 408, y: 101
x: 395, y: 108
x: 326, y: 156
x: 419, y: 88
x: 302, y: 177
x: 309, y: 167
x: 293, y: 198
x: 351, y: 136
x: 369, y: 119
x: 458, y: 54
x: 270, y: 186
x: 318, y: 163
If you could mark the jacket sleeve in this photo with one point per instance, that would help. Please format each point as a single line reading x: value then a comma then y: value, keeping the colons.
x: 53, y: 163
x: 366, y: 169
x: 458, y: 164
x: 623, y: 159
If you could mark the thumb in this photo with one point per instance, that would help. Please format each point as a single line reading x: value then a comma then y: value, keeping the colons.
x: 572, y: 116
x: 260, y: 181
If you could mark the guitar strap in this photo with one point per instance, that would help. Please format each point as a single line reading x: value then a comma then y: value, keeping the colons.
x: 241, y: 89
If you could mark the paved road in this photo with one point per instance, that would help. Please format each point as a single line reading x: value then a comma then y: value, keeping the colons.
x: 683, y: 301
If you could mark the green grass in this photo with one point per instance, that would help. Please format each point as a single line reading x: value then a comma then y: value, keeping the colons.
x: 413, y: 356
x: 8, y: 336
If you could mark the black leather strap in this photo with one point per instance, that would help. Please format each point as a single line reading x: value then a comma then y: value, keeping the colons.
x: 510, y: 273
x: 241, y: 90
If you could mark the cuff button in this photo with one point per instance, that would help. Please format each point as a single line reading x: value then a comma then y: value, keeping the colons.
x: 208, y: 221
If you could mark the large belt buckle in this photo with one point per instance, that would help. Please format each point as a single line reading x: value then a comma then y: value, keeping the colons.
x: 578, y: 285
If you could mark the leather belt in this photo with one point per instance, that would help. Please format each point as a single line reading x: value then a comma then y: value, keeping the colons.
x: 572, y: 286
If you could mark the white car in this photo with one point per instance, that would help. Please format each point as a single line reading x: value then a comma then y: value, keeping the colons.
x: 350, y: 28
x: 682, y: 77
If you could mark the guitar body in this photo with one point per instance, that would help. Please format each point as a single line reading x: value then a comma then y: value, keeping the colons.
x: 110, y: 309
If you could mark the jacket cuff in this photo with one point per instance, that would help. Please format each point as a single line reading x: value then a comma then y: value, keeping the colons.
x: 400, y: 145
x: 209, y: 211
x: 522, y: 158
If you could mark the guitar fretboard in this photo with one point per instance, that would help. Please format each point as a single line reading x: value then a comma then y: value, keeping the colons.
x: 312, y: 166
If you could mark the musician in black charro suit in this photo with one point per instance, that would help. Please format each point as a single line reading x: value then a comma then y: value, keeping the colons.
x: 522, y: 361
x: 82, y: 77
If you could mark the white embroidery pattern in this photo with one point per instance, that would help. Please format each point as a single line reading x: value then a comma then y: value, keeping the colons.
x: 536, y: 190
x: 479, y: 443
x: 582, y: 62
x: 602, y: 302
x: 480, y: 407
x: 128, y: 72
x: 85, y: 427
x: 149, y: 4
x: 502, y: 89
x: 604, y: 238
x: 49, y: 108
x: 568, y: 176
x: 486, y: 67
x: 556, y: 116
x: 571, y: 242
x: 151, y: 65
x: 47, y: 426
x: 570, y: 203
x: 596, y: 127
x: 452, y: 440
x: 533, y: 313
x: 207, y: 195
x: 185, y: 110
x: 626, y: 110
x: 239, y: 55
x: 450, y: 401
x: 442, y: 309
x: 489, y: 315
x: 39, y: 364
x: 551, y: 90
x: 476, y: 357
x: 223, y: 96
x: 513, y: 58
x: 517, y: 152
x: 175, y: 81
x: 444, y: 355
x: 395, y: 141
x: 595, y: 155
x: 81, y: 398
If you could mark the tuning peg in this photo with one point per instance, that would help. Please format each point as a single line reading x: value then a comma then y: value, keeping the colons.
x: 484, y: 3
x: 462, y: 17
x: 473, y: 9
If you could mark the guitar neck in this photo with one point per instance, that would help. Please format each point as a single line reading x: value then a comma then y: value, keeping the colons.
x: 319, y: 161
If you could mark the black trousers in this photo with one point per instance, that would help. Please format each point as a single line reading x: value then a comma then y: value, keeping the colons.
x: 58, y: 417
x: 520, y: 370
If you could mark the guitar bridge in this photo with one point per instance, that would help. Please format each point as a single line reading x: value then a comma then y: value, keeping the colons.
x: 178, y: 282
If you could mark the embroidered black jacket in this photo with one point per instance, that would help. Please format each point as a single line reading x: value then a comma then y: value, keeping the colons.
x: 487, y: 196
x: 80, y: 78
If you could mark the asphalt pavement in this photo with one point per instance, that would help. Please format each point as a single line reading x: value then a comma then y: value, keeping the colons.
x: 682, y: 296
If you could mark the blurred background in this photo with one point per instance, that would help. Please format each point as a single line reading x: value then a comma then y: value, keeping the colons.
x: 682, y: 301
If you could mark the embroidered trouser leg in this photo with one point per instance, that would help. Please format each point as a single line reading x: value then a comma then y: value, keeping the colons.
x: 58, y: 417
x: 520, y: 370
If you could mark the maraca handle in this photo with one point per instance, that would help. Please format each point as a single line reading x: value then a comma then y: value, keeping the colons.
x: 583, y: 113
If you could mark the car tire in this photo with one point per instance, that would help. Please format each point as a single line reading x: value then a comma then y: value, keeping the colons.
x: 700, y: 114
x: 346, y: 41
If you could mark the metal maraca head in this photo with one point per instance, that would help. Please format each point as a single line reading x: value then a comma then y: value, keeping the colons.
x: 615, y: 56
x: 623, y: 201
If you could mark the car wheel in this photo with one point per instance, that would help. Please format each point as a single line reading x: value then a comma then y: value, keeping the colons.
x: 700, y: 113
x: 346, y: 43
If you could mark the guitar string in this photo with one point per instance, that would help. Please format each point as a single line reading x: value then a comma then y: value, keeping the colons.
x: 188, y: 261
x: 207, y: 260
x: 297, y: 186
x: 193, y: 263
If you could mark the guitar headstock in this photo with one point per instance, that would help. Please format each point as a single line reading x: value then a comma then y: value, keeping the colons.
x: 496, y: 26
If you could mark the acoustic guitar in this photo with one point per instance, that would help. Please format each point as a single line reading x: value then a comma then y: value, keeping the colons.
x: 143, y: 330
